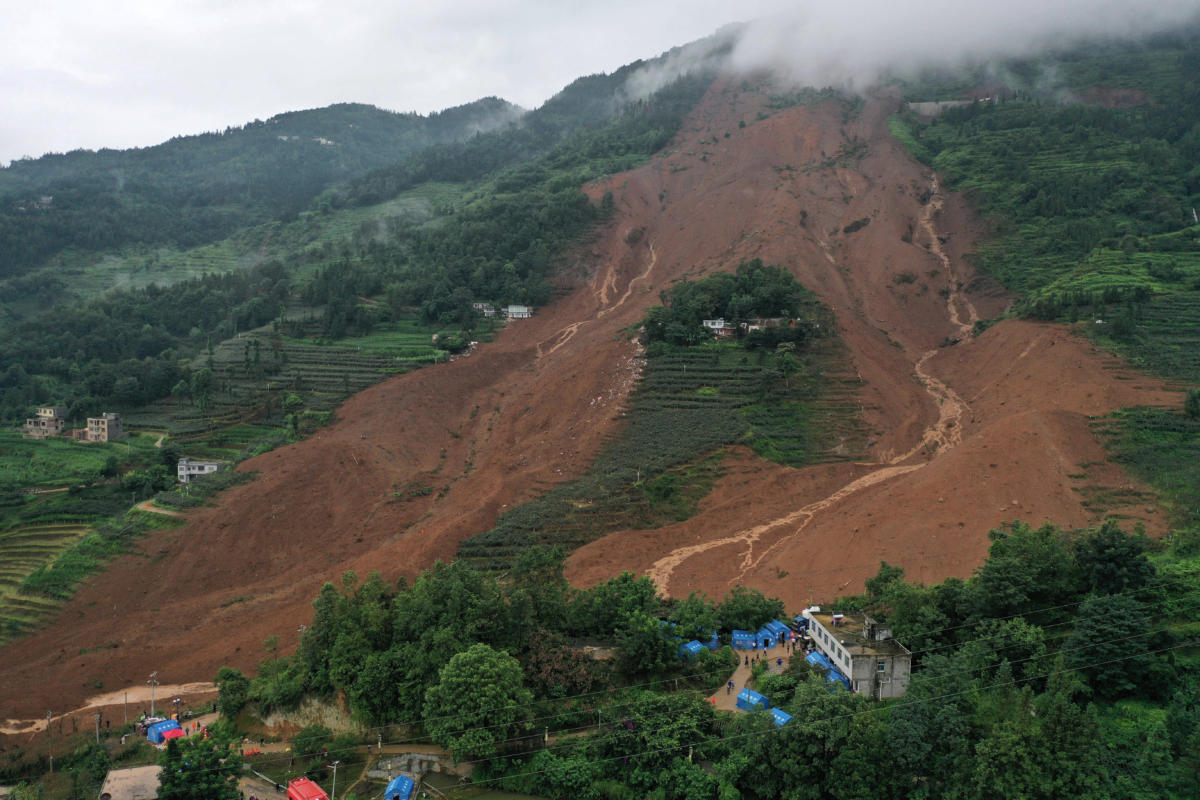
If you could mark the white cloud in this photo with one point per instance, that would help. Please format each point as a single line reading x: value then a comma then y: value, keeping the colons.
x: 128, y: 73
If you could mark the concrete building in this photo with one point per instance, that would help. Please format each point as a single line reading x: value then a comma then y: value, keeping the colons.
x: 863, y: 650
x: 518, y: 312
x: 487, y: 310
x: 50, y: 421
x: 104, y: 428
x: 719, y: 327
x: 189, y: 468
x: 135, y: 783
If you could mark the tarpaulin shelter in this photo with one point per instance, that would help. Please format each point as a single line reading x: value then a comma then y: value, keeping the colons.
x: 801, y: 622
x: 713, y: 642
x: 781, y: 717
x: 304, y: 789
x: 780, y: 630
x: 765, y: 637
x: 173, y: 733
x: 399, y: 788
x: 743, y: 640
x: 155, y: 732
x: 819, y: 660
x: 750, y: 700
x: 832, y: 674
x: 690, y: 649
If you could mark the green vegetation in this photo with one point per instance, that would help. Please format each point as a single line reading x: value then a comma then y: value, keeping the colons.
x: 1075, y: 656
x: 1091, y: 206
x: 1162, y: 448
x: 690, y: 404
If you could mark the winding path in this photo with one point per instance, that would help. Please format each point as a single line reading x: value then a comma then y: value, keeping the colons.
x: 944, y: 434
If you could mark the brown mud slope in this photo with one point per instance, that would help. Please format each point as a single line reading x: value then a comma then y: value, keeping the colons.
x: 422, y: 461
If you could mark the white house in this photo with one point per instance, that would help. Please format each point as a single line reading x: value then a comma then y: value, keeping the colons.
x: 189, y: 468
x: 863, y: 650
x: 518, y: 312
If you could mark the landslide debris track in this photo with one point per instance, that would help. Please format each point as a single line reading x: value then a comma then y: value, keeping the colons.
x: 965, y: 436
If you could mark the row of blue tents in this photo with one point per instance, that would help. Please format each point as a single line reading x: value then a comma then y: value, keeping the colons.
x: 750, y: 700
x: 769, y: 635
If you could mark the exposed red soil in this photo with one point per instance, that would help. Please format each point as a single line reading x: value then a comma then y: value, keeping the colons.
x: 1109, y: 97
x: 990, y: 421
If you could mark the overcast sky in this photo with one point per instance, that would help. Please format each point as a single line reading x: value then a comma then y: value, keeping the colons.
x: 79, y: 73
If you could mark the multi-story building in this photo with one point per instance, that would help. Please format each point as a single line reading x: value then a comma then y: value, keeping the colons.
x: 189, y: 468
x: 50, y: 421
x: 863, y: 651
x: 104, y: 428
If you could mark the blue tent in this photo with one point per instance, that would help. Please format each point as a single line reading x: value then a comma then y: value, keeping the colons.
x: 781, y: 717
x: 714, y: 642
x: 155, y: 732
x: 750, y: 700
x: 801, y: 622
x: 399, y: 788
x: 742, y: 640
x: 765, y: 637
x: 780, y: 630
x: 837, y: 677
x: 690, y: 649
x: 832, y: 673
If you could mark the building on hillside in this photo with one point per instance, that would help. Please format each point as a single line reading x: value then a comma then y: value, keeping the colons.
x: 50, y: 421
x: 104, y: 428
x: 134, y: 783
x: 719, y: 327
x: 486, y: 310
x: 518, y: 312
x: 189, y: 468
x: 863, y: 651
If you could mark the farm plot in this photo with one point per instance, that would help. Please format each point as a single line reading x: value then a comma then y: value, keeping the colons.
x: 255, y: 373
x: 690, y: 404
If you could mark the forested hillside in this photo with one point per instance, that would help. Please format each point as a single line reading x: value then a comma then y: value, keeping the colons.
x: 494, y: 243
x: 1085, y: 162
x: 196, y: 189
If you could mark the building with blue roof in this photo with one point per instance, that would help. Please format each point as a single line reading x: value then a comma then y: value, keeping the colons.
x: 781, y: 717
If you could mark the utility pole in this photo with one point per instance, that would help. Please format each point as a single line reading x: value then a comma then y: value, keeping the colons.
x: 333, y: 794
x: 153, y: 682
x: 97, y: 716
x: 127, y: 707
x: 49, y: 740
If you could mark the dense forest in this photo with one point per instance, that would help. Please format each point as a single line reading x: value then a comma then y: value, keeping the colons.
x: 196, y: 189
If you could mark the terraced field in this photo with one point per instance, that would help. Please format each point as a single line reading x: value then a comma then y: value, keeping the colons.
x: 257, y: 371
x: 689, y: 406
x: 23, y: 550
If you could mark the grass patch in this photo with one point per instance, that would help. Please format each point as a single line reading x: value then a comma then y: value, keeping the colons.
x: 1161, y: 448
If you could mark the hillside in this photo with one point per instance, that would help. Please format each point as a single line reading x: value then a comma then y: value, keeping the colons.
x: 822, y: 190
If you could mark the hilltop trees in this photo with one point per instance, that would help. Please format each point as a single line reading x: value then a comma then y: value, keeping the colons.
x: 754, y: 290
x: 478, y: 701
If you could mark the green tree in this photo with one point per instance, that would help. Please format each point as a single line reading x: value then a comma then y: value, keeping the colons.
x: 1191, y: 404
x: 201, y: 388
x: 196, y: 768
x: 1113, y: 670
x: 479, y: 700
x: 648, y: 645
x: 232, y: 691
x: 311, y: 741
x: 1112, y: 561
x: 747, y: 609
